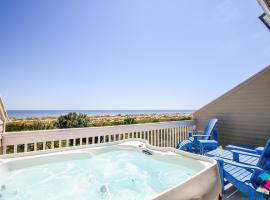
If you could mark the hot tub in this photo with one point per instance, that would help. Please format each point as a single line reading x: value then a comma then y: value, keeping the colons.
x: 124, y: 170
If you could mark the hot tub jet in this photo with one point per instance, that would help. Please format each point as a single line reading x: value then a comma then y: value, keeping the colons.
x: 147, y: 152
x: 103, y: 189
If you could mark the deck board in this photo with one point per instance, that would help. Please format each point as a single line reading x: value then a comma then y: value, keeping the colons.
x: 231, y: 193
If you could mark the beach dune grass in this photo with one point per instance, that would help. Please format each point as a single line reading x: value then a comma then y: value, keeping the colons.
x: 31, y: 124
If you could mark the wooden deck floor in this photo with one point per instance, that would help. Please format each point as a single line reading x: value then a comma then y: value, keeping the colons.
x: 231, y: 193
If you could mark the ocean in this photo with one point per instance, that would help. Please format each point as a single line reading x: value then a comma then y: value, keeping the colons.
x: 21, y: 114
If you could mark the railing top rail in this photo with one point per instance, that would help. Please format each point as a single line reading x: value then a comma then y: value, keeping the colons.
x: 145, y: 126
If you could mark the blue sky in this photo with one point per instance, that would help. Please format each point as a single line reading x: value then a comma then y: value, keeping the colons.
x: 127, y: 54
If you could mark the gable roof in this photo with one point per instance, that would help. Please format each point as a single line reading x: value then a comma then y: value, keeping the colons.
x: 265, y: 17
x: 238, y: 87
x: 265, y: 4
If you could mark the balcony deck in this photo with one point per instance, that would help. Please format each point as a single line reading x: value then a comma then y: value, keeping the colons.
x: 165, y: 134
x: 231, y: 193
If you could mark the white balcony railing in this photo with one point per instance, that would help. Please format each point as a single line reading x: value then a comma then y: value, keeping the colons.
x: 164, y: 134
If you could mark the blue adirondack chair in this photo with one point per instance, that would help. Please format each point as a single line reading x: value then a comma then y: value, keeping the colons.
x: 202, y: 141
x: 257, y: 150
x: 243, y: 176
x: 231, y: 151
x: 251, y: 158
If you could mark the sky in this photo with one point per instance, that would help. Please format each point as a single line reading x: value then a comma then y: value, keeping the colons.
x: 127, y: 54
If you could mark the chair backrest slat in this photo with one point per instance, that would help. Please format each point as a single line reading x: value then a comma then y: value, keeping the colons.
x: 209, y: 128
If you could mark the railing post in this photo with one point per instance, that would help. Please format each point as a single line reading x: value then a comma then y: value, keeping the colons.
x: 25, y: 147
x: 181, y: 134
x: 170, y: 137
x: 154, y: 138
x: 175, y: 141
x: 162, y: 137
x: 4, y: 149
x: 109, y: 138
x: 167, y: 137
x: 1, y: 143
x: 172, y: 140
x: 15, y: 148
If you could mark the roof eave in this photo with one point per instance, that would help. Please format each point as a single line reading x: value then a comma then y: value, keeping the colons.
x: 3, y: 111
x: 265, y: 7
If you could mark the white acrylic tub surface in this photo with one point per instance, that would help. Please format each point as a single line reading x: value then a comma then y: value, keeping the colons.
x: 202, y: 183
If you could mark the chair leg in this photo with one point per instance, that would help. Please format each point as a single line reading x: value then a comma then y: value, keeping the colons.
x: 189, y: 149
x: 221, y: 173
x: 201, y: 149
x: 196, y: 149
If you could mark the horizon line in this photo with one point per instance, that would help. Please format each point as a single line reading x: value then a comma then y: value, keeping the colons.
x: 90, y: 109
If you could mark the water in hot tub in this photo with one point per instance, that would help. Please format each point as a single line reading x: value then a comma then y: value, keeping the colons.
x: 118, y: 174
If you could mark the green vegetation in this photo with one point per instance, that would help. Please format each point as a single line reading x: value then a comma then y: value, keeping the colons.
x: 130, y: 120
x: 29, y: 125
x: 73, y: 120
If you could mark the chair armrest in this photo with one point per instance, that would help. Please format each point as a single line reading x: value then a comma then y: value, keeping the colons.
x: 193, y: 133
x: 234, y: 147
x: 245, y: 153
x: 196, y: 135
x: 259, y: 150
x: 236, y: 154
x: 247, y: 167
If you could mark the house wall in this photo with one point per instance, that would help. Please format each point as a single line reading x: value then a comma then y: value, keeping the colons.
x: 1, y: 126
x: 3, y: 117
x: 268, y: 3
x: 243, y: 112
